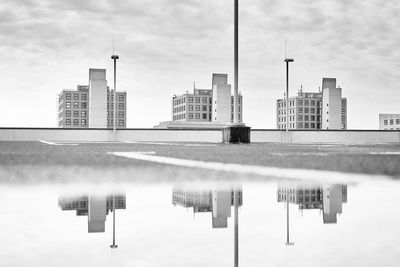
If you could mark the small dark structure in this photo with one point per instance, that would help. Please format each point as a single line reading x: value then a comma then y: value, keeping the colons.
x: 236, y: 133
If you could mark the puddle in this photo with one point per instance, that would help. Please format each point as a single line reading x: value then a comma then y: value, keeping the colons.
x: 197, y: 224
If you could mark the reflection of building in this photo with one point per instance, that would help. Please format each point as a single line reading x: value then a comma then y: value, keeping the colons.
x: 389, y: 121
x: 91, y: 106
x: 96, y: 207
x: 329, y: 198
x: 218, y: 202
x: 312, y: 111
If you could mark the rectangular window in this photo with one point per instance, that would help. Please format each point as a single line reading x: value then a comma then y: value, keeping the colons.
x: 312, y: 110
x: 83, y: 113
x: 391, y: 121
x: 312, y: 117
x: 76, y: 104
x: 204, y: 108
x: 121, y: 97
x: 300, y: 102
x: 312, y: 125
x: 83, y: 122
x: 204, y: 116
x: 121, y: 114
x: 191, y: 116
x: 300, y: 125
x: 397, y: 121
x: 300, y: 110
x: 385, y: 122
x: 83, y: 96
x: 76, y: 113
x: 76, y: 96
x: 68, y: 96
x: 68, y: 121
x: 300, y: 117
x: 197, y: 99
x: 190, y: 99
x: 68, y: 113
x: 68, y: 105
x: 121, y: 123
x: 190, y: 107
x: 306, y: 103
x: 312, y: 102
x: 83, y: 105
x: 197, y: 115
x: 197, y: 107
x: 121, y: 105
x: 306, y: 110
x: 204, y: 100
x: 76, y: 121
x: 306, y: 125
x: 306, y: 117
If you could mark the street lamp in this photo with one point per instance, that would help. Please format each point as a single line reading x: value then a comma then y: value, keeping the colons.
x: 115, y: 57
x: 287, y: 60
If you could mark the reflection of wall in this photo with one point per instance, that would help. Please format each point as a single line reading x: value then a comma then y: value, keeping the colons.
x: 328, y: 198
x: 218, y: 202
x: 95, y: 207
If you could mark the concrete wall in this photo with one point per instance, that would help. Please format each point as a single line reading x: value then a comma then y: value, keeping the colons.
x: 203, y: 135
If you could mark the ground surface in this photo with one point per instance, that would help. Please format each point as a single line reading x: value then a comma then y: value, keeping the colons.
x: 38, y: 161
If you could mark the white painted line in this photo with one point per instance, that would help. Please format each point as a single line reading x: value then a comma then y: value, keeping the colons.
x: 169, y: 144
x: 276, y: 172
x: 56, y: 144
x: 385, y: 153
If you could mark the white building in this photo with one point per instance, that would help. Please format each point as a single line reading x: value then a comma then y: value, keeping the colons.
x: 97, y: 98
x: 221, y: 98
x: 389, y: 121
x: 331, y: 105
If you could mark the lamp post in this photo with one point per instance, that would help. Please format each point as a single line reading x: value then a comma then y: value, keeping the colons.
x: 236, y: 67
x: 287, y: 60
x: 115, y: 57
x: 113, y: 244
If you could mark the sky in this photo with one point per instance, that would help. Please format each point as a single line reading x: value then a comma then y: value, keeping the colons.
x: 166, y: 45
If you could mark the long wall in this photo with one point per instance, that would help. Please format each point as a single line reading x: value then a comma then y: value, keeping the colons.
x: 202, y: 135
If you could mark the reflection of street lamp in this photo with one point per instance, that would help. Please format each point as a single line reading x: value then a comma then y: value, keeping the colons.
x: 236, y: 203
x: 287, y: 60
x: 288, y: 243
x: 113, y: 244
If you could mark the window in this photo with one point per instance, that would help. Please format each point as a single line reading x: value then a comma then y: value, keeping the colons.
x: 300, y: 102
x: 83, y: 122
x: 312, y: 117
x: 190, y: 99
x: 76, y: 96
x: 68, y: 96
x: 397, y: 121
x: 121, y: 123
x: 76, y: 121
x: 306, y: 117
x: 83, y: 105
x: 121, y: 114
x: 190, y: 107
x: 83, y: 113
x: 312, y: 110
x: 306, y: 125
x: 300, y: 117
x: 300, y: 110
x: 68, y: 105
x: 197, y: 99
x: 191, y: 116
x: 204, y: 108
x: 68, y: 121
x: 300, y: 125
x: 391, y: 121
x: 197, y: 107
x: 306, y: 102
x: 121, y: 105
x: 68, y: 113
x: 121, y: 97
x: 76, y: 104
x: 76, y: 113
x: 312, y: 102
x: 204, y: 116
x: 197, y: 115
x: 83, y: 96
x: 204, y: 99
x: 385, y: 122
x: 312, y: 125
x: 306, y: 110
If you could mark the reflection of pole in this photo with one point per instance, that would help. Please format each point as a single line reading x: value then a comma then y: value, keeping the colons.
x: 113, y: 244
x: 236, y: 202
x: 287, y: 223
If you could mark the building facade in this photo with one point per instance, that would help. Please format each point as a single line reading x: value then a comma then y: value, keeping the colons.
x: 91, y: 106
x: 389, y: 121
x: 207, y: 105
x: 314, y: 111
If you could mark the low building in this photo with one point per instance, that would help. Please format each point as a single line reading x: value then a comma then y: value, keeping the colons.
x: 91, y: 106
x: 204, y: 106
x: 326, y: 109
x: 389, y: 121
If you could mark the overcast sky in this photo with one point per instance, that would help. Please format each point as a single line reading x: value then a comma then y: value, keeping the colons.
x: 165, y: 45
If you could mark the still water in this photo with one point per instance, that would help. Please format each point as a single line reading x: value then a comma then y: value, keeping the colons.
x: 195, y: 224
